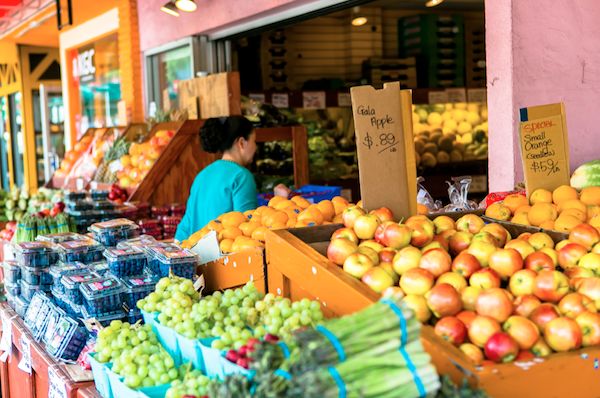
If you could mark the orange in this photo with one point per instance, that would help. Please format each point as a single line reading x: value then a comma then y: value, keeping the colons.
x: 422, y: 209
x: 259, y: 233
x: 311, y: 213
x: 230, y: 233
x: 591, y: 196
x: 326, y: 208
x: 572, y: 204
x: 594, y: 221
x: 278, y: 217
x: 521, y: 219
x: 339, y: 207
x: 566, y: 223
x: 220, y: 218
x: 522, y: 209
x: 233, y: 219
x: 359, y: 203
x: 248, y: 227
x: 215, y: 225
x: 258, y: 213
x: 66, y: 165
x: 266, y: 214
x: 540, y: 196
x: 284, y: 204
x: 249, y: 214
x: 581, y: 215
x: 134, y: 161
x: 301, y: 202
x: 514, y: 201
x: 126, y: 160
x: 497, y: 211
x: 278, y: 225
x: 339, y: 199
x: 540, y: 213
x: 563, y: 193
x: 249, y: 244
x: 134, y: 150
x: 225, y: 245
x: 291, y: 223
x: 293, y: 212
x: 326, y: 222
x: 86, y: 140
x: 592, y: 210
x: 337, y: 219
x: 547, y: 225
x: 275, y: 199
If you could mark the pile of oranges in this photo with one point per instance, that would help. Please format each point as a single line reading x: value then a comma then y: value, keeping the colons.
x: 560, y: 210
x: 240, y: 231
x: 72, y: 156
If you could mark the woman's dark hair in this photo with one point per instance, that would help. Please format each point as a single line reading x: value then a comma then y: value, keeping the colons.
x: 219, y: 134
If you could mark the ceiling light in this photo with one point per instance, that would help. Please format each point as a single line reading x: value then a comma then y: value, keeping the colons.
x: 170, y: 9
x: 433, y: 3
x: 186, y: 5
x: 358, y: 19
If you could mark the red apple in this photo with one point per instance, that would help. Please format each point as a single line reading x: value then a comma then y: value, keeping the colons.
x: 506, y: 262
x: 347, y: 233
x: 465, y: 264
x: 525, y: 304
x: 447, y: 234
x: 524, y: 236
x: 387, y: 255
x: 487, y: 237
x: 340, y: 249
x: 422, y: 231
x: 387, y: 266
x: 381, y: 229
x: 451, y: 329
x: 372, y: 244
x: 585, y: 235
x: 563, y: 334
x: 468, y: 295
x: 538, y: 262
x: 470, y: 223
x: 544, y: 314
x: 416, y: 281
x: 521, y: 282
x: 460, y: 242
x: 591, y: 288
x: 569, y: 255
x: 522, y: 330
x: 483, y: 251
x: 466, y: 317
x: 575, y: 283
x: 357, y: 264
x: 473, y: 352
x: 442, y: 241
x: 437, y: 261
x: 541, y: 348
x: 456, y: 280
x: 384, y: 214
x: 405, y: 259
x: 433, y: 245
x: 365, y: 226
x: 371, y: 253
x: 482, y: 328
x: 539, y: 240
x: 396, y: 236
x: 499, y: 232
x: 377, y: 279
x: 509, y: 295
x: 495, y: 304
x: 394, y: 291
x: 550, y: 286
x: 443, y: 300
x: 589, y: 323
x: 418, y: 304
x: 350, y: 215
x: 443, y: 223
x: 501, y: 347
x: 574, y: 304
x: 552, y: 253
x: 579, y: 272
x: 521, y: 246
x: 485, y: 278
x: 524, y: 356
x: 591, y: 261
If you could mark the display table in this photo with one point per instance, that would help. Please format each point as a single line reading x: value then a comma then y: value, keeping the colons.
x: 88, y: 392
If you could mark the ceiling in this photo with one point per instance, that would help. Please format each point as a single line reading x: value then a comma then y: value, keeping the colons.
x: 447, y: 5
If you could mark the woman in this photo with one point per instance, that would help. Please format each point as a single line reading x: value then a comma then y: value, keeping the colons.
x: 225, y: 185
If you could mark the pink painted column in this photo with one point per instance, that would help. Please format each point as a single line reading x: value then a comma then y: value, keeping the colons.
x: 541, y: 52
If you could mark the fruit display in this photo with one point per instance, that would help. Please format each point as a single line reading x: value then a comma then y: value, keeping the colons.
x: 586, y: 175
x: 110, y: 233
x: 126, y: 262
x: 104, y: 174
x: 450, y: 133
x: 18, y: 203
x: 102, y: 295
x: 561, y: 210
x: 72, y: 156
x: 83, y: 250
x: 193, y: 385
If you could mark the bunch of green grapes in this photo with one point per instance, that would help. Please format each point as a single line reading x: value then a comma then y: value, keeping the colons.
x: 280, y: 317
x: 194, y: 384
x: 120, y: 336
x: 173, y: 298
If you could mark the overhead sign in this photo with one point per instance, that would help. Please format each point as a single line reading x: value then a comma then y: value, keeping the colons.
x: 84, y: 66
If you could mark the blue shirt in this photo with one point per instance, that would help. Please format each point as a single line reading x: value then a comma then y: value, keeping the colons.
x: 221, y: 187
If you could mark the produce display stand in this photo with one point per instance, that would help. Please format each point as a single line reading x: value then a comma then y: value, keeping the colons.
x: 89, y: 392
x: 16, y: 383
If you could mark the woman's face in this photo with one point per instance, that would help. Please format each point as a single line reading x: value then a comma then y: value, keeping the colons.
x: 248, y: 148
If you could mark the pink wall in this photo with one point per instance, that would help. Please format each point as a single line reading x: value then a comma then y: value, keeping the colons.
x: 541, y: 52
x: 158, y: 28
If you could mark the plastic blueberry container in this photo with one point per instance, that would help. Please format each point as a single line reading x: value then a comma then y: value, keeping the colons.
x: 27, y: 290
x: 126, y: 262
x: 153, y: 263
x: 137, y: 287
x: 134, y: 315
x: 51, y: 322
x: 75, y: 195
x: 58, y: 271
x: 109, y: 233
x: 71, y: 284
x: 36, y: 275
x: 97, y: 194
x: 37, y: 327
x: 59, y: 237
x: 85, y: 251
x: 182, y: 262
x: 35, y: 254
x: 59, y: 299
x: 68, y: 340
x: 79, y: 205
x: 35, y: 304
x: 100, y: 267
x: 21, y: 305
x: 141, y: 241
x: 12, y: 288
x: 12, y: 271
x: 102, y: 295
x: 106, y: 318
x: 104, y: 205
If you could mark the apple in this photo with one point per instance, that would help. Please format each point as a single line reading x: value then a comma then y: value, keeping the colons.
x: 442, y: 241
x: 416, y: 281
x: 468, y: 295
x: 575, y: 283
x: 579, y: 272
x: 561, y: 244
x: 525, y: 304
x: 521, y: 282
x: 371, y: 253
x: 381, y: 229
x: 541, y: 348
x: 509, y: 294
x: 451, y: 329
x: 470, y: 223
x: 539, y: 240
x: 501, y: 347
x: 591, y: 288
x: 585, y: 235
x: 396, y: 236
x: 387, y: 255
x: 340, y: 249
x: 422, y: 231
x: 538, y: 262
x: 465, y: 264
x: 443, y: 300
x: 574, y: 304
x: 372, y: 244
x: 506, y: 262
x: 350, y: 215
x: 524, y: 356
x: 365, y: 226
x: 405, y: 259
x: 563, y: 334
x: 418, y: 304
x: 495, y: 304
x: 437, y: 261
x: 450, y: 232
x: 482, y: 250
x: 521, y: 246
x: 432, y: 245
x: 473, y: 352
x: 347, y: 233
x: 454, y: 279
x: 377, y: 279
x: 524, y: 236
x: 550, y: 286
x: 589, y: 323
x: 482, y: 328
x: 393, y: 291
x: 591, y: 261
x: 466, y: 317
x: 443, y: 223
x: 357, y: 264
x: 499, y: 232
x: 485, y: 237
x: 384, y: 214
x: 525, y: 332
x: 460, y: 242
x: 485, y: 278
x: 387, y: 266
x: 570, y: 255
x: 544, y: 314
x: 552, y: 253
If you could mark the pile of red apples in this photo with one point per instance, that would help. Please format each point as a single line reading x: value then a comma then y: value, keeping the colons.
x: 496, y: 298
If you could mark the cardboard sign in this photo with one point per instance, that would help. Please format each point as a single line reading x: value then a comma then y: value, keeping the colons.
x: 257, y: 97
x: 477, y: 94
x: 438, y: 97
x: 313, y: 100
x: 281, y: 100
x: 166, y: 100
x: 192, y: 108
x: 544, y: 147
x: 56, y: 386
x: 25, y: 363
x: 386, y: 152
x: 344, y: 100
x: 456, y: 95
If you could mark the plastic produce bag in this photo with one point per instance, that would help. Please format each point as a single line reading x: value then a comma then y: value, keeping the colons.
x: 458, y: 191
x: 425, y: 198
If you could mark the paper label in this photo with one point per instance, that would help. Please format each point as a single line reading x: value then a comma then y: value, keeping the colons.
x: 344, y: 100
x: 192, y: 108
x: 6, y: 341
x: 456, y: 95
x: 199, y: 284
x: 56, y: 386
x: 115, y: 166
x: 257, y: 97
x: 93, y: 185
x: 25, y: 363
x: 281, y: 100
x: 313, y: 99
x: 79, y: 184
x: 477, y: 95
x: 438, y: 97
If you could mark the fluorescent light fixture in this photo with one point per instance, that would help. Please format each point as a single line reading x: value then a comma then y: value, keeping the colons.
x: 186, y: 5
x: 358, y: 19
x: 170, y: 9
x: 433, y: 3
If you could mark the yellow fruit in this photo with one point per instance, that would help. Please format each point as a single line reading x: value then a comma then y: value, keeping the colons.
x: 460, y: 105
x: 473, y: 118
x: 225, y: 245
x: 458, y: 115
x: 464, y: 128
x: 540, y: 196
x: 564, y: 193
x: 467, y: 139
x: 540, y: 213
x: 498, y: 211
x: 434, y: 118
x: 416, y: 118
x: 446, y: 116
x: 484, y: 116
x: 276, y: 199
x: 233, y: 219
x: 126, y: 160
x: 473, y: 108
x: 450, y: 124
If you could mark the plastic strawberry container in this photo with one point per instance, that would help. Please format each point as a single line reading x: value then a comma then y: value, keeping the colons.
x: 98, y: 195
x: 127, y: 211
x: 60, y: 237
x: 177, y: 209
x: 148, y: 223
x: 85, y: 251
x: 168, y: 237
x: 171, y: 221
x: 182, y: 262
x: 58, y: 271
x: 156, y: 233
x: 68, y: 339
x: 102, y: 295
x: 159, y: 211
x: 36, y: 275
x: 170, y: 229
x: 12, y: 271
x: 126, y: 262
x: 110, y: 233
x: 12, y: 288
x: 35, y: 254
x: 71, y: 284
x: 27, y: 290
x: 137, y: 287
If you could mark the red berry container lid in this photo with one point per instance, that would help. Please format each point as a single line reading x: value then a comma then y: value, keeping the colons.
x: 171, y: 220
x: 141, y: 206
x: 170, y: 229
x: 160, y: 209
x: 177, y: 207
x: 147, y: 223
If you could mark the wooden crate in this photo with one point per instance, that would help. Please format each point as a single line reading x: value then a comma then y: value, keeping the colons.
x: 218, y: 94
x: 235, y: 270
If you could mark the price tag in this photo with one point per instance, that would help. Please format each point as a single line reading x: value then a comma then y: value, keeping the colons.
x: 199, y: 284
x: 94, y: 185
x: 25, y: 363
x: 79, y: 182
x: 281, y: 100
x: 115, y: 166
x: 456, y: 95
x: 477, y: 95
x: 438, y: 97
x: 257, y: 97
x: 56, y: 386
x: 313, y: 99
x: 6, y: 341
x: 344, y: 100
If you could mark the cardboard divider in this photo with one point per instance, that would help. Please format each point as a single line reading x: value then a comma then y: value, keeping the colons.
x: 517, y: 229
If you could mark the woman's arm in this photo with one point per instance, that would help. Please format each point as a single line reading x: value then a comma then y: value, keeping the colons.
x: 244, y: 192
